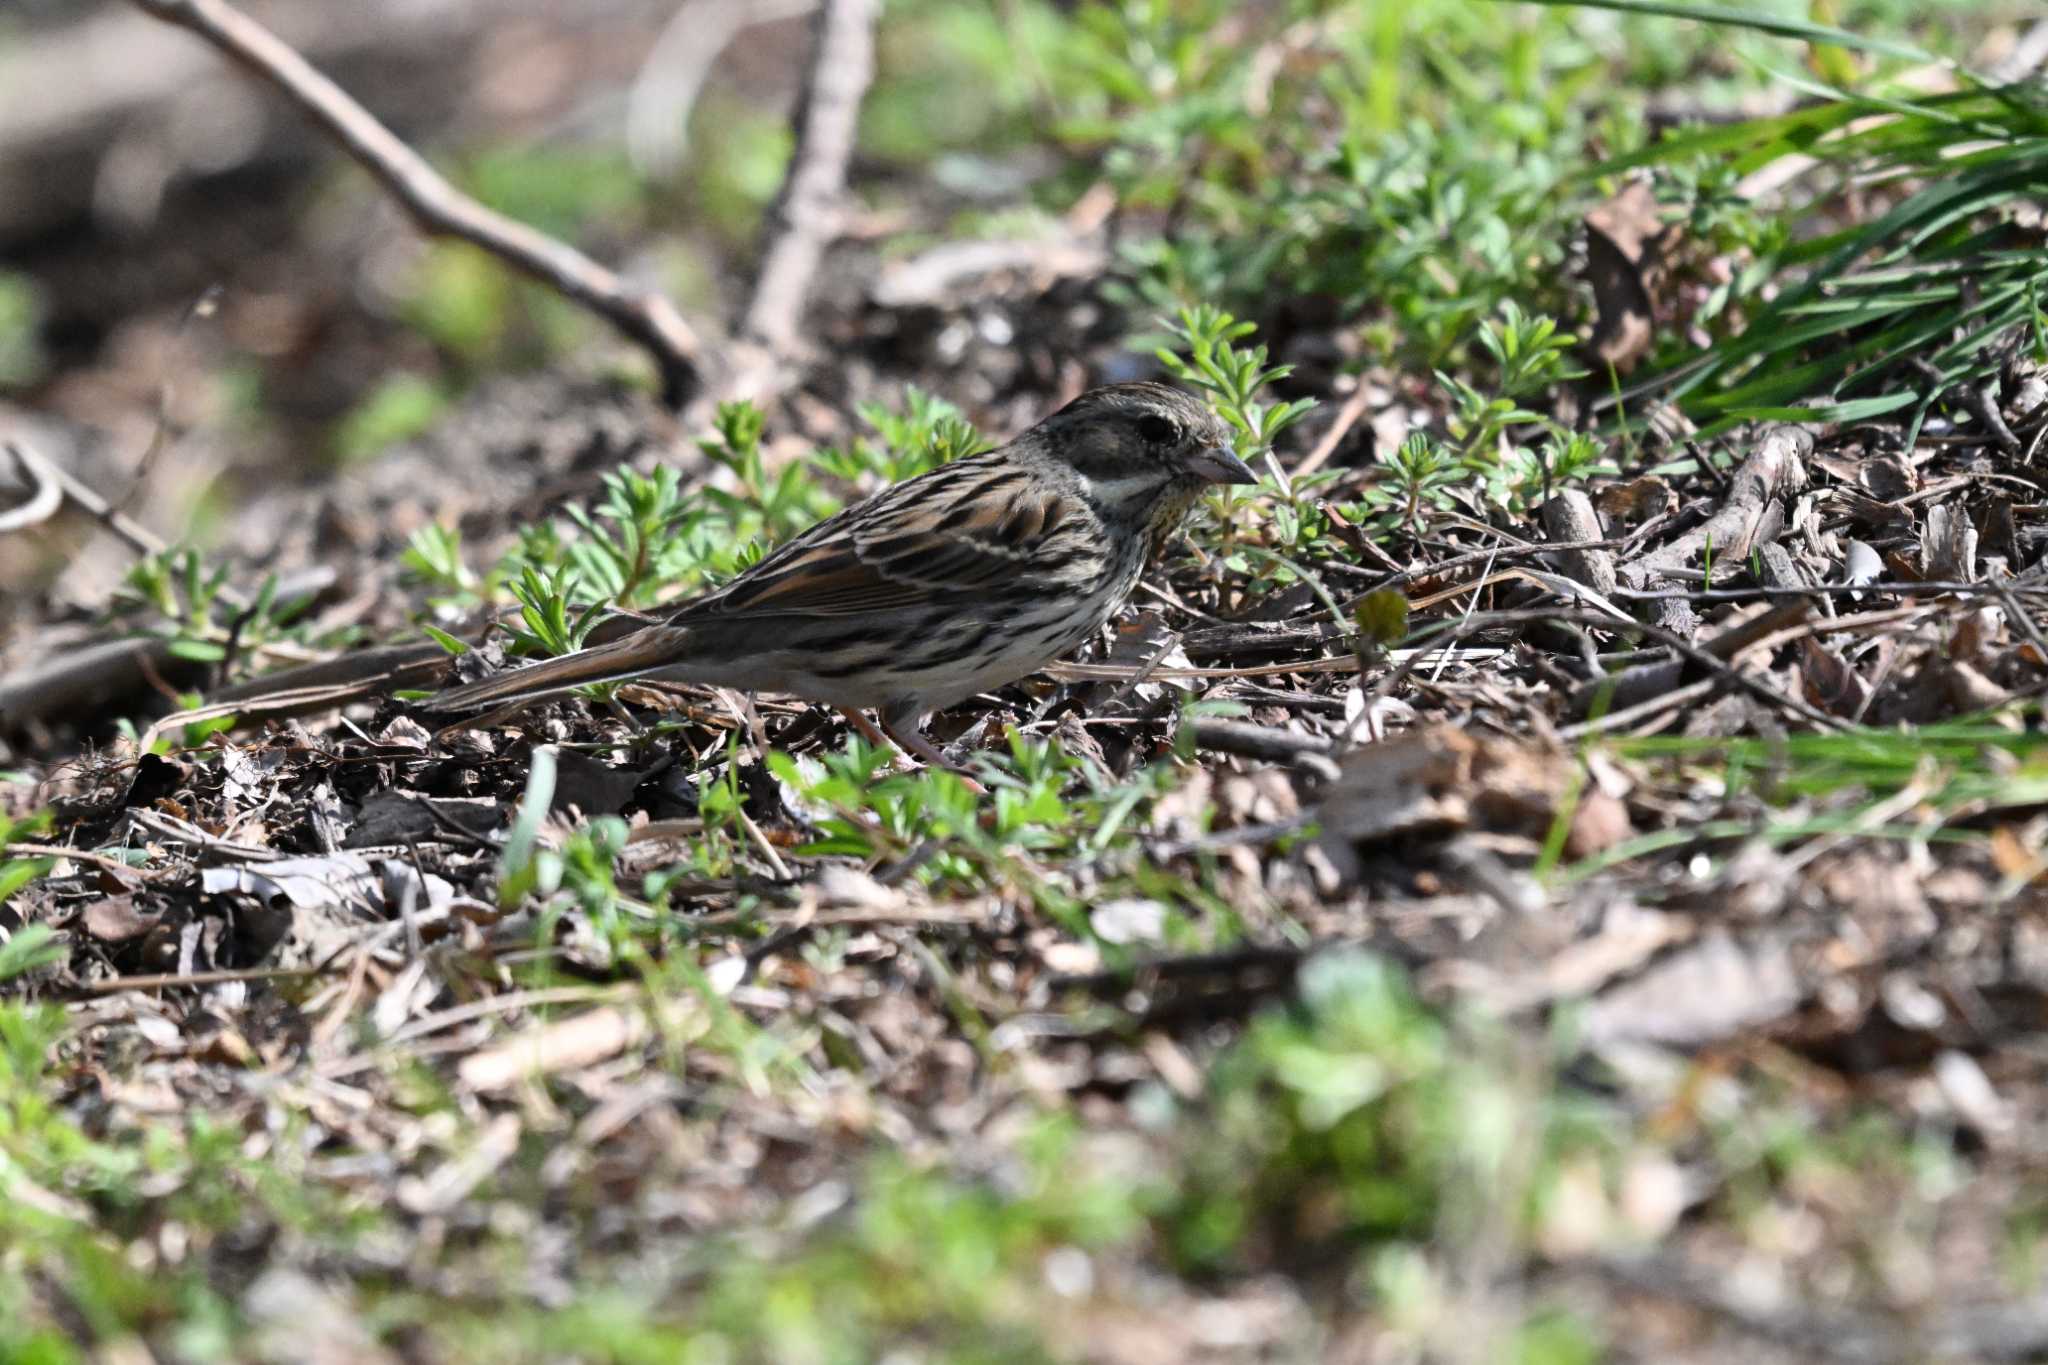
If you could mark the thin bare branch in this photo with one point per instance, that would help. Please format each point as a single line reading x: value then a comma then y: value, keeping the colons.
x: 45, y: 497
x: 807, y: 212
x: 643, y: 315
x: 131, y: 532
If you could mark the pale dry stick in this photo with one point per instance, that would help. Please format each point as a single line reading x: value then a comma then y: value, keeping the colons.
x: 807, y: 212
x: 1876, y: 816
x: 1167, y: 596
x: 78, y: 677
x: 2015, y: 609
x: 80, y: 855
x: 760, y: 838
x: 1340, y: 427
x: 131, y: 532
x: 1443, y: 659
x: 294, y: 702
x: 429, y: 1024
x: 1144, y: 670
x: 1070, y: 672
x: 645, y: 316
x: 1570, y: 516
x: 45, y: 497
x: 1696, y: 655
x: 1265, y: 743
x: 115, y: 985
x: 1926, y: 588
x: 1832, y: 625
x: 335, y: 1015
x: 1777, y: 466
x: 659, y: 102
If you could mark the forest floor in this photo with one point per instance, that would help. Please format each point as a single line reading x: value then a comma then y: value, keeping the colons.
x: 1554, y: 874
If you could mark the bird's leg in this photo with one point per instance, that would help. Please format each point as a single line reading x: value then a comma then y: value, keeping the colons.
x: 907, y: 741
x: 867, y: 728
x: 911, y: 742
x: 625, y: 718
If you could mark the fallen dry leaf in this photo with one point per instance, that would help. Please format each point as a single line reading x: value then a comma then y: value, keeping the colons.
x: 1627, y: 242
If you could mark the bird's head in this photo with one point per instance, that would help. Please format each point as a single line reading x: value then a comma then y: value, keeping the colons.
x: 1139, y: 446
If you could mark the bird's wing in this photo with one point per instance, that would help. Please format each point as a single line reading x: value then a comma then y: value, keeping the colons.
x: 963, y: 528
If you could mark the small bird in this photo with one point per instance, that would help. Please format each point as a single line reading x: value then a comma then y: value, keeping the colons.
x: 965, y: 578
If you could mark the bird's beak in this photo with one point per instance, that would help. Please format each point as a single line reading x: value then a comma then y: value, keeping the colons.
x: 1218, y: 465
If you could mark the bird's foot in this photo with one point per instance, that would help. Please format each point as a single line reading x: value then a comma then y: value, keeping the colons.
x: 911, y: 743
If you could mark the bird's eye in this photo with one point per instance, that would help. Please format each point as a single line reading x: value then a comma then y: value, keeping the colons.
x: 1159, y: 431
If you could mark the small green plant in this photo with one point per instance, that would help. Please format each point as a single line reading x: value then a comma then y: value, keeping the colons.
x: 433, y: 556
x: 629, y: 547
x: 179, y: 586
x: 1265, y: 536
x: 17, y: 872
x: 29, y: 948
x: 1418, y: 478
x: 776, y: 505
x: 1388, y: 1119
x: 553, y: 624
x: 1485, y: 452
x: 199, y: 613
x: 1231, y: 377
x: 928, y: 432
x: 1529, y: 355
x: 579, y: 874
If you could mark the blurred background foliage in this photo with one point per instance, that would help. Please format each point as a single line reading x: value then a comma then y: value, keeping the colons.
x: 1409, y: 166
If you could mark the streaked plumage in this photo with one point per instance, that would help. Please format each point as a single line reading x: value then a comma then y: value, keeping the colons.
x: 962, y: 579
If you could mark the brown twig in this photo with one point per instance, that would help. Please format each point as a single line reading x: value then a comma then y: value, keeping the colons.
x: 78, y: 855
x: 156, y: 981
x: 1669, y: 700
x: 806, y: 213
x: 1347, y: 418
x: 83, y: 678
x: 1502, y: 555
x: 134, y: 534
x: 1258, y: 741
x: 70, y: 683
x: 1693, y: 654
x: 438, y: 208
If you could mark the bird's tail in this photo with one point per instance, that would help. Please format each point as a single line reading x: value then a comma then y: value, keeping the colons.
x: 640, y: 653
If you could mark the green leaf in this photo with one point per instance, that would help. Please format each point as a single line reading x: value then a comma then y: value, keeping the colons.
x: 31, y: 947
x: 199, y: 651
x: 1751, y: 19
x: 519, y: 866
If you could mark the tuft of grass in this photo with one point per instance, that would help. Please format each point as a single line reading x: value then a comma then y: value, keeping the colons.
x: 1897, y: 263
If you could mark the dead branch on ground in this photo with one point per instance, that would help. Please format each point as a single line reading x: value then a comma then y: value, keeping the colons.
x: 645, y: 316
x: 806, y: 214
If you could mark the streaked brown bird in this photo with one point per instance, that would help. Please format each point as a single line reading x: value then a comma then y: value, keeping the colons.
x: 962, y: 579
